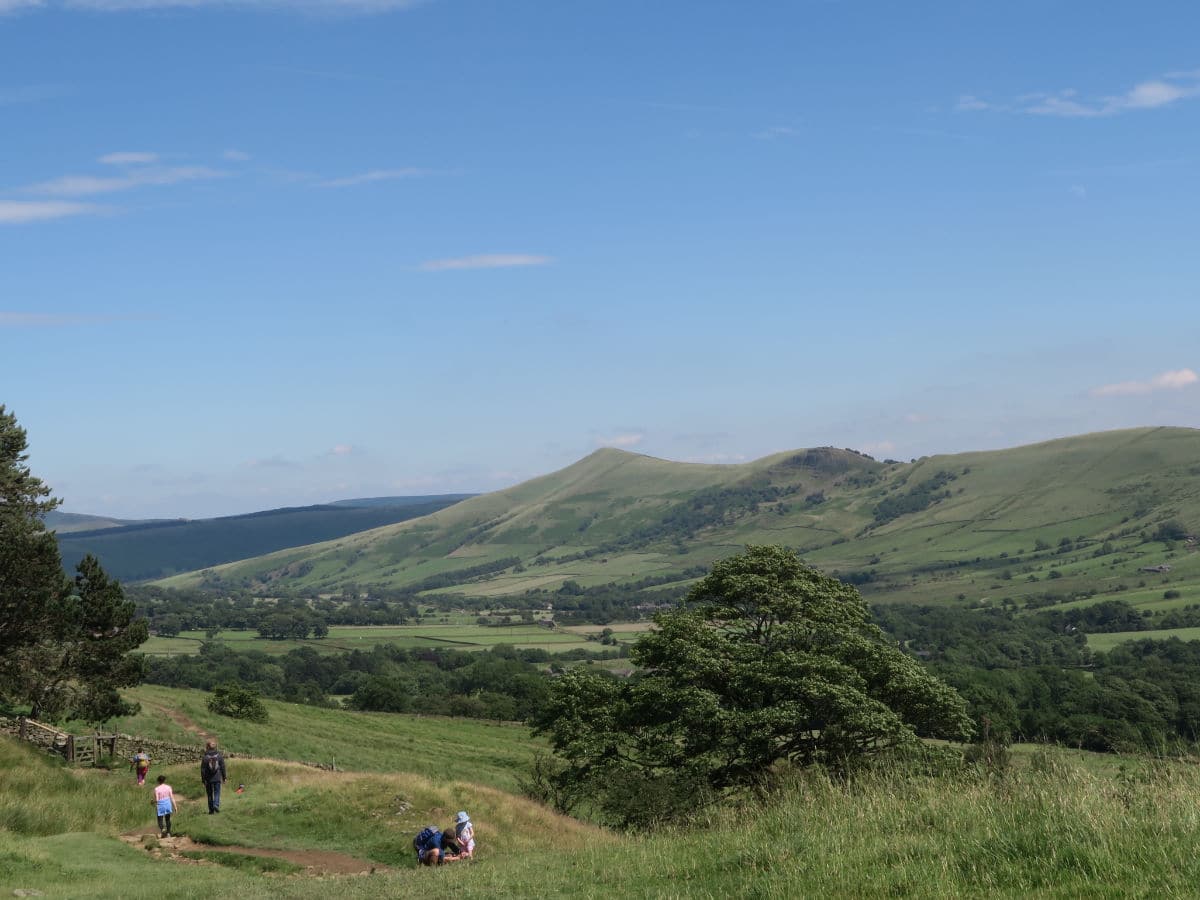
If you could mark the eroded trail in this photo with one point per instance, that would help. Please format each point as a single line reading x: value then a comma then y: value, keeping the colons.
x: 181, y: 719
x: 314, y: 862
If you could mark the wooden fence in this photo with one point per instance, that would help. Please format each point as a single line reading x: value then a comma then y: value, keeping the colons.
x: 85, y: 750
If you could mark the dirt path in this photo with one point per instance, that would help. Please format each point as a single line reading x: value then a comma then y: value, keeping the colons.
x: 181, y: 719
x: 314, y: 862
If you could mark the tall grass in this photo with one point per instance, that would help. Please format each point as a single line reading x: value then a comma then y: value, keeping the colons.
x: 1048, y: 826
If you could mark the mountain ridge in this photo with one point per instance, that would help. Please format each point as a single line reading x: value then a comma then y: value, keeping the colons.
x: 615, y: 517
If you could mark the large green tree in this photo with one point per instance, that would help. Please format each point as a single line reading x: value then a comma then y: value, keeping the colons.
x: 65, y: 647
x: 31, y: 576
x: 766, y: 660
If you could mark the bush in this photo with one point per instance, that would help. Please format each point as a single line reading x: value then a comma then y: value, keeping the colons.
x: 237, y: 702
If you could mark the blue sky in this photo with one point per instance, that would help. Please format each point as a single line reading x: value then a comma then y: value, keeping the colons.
x: 258, y: 254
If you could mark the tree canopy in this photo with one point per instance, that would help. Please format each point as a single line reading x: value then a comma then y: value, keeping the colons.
x: 767, y: 659
x: 64, y: 647
x: 31, y: 575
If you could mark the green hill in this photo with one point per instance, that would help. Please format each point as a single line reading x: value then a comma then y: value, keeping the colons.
x: 1069, y: 517
x: 154, y: 549
x: 65, y: 523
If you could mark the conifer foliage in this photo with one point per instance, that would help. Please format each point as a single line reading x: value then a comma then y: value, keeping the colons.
x: 65, y: 646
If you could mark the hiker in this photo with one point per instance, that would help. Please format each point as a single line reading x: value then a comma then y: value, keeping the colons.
x: 451, y: 848
x: 464, y: 832
x: 164, y: 805
x: 141, y: 765
x: 428, y: 844
x: 212, y: 773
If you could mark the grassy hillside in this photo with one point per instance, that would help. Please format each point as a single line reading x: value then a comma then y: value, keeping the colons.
x: 977, y: 527
x: 158, y: 548
x: 66, y: 523
x: 1057, y: 824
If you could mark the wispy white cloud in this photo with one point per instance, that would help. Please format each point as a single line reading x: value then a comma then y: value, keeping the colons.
x: 486, y: 261
x: 1167, y: 381
x: 375, y: 175
x: 1154, y: 93
x: 971, y: 103
x: 330, y: 6
x: 235, y: 155
x: 128, y: 158
x: 624, y: 439
x: 1079, y: 191
x: 19, y: 212
x: 9, y: 6
x: 278, y: 461
x: 88, y: 185
x: 53, y: 320
x: 342, y: 450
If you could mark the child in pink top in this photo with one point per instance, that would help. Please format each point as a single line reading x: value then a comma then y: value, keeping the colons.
x: 164, y: 804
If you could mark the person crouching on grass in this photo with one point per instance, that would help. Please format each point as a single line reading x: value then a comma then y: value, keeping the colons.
x: 164, y: 804
x: 436, y: 847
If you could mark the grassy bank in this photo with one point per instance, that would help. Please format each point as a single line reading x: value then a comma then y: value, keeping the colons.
x: 1051, y: 827
x: 490, y: 753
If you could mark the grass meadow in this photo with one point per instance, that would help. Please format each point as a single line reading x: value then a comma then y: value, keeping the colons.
x: 1053, y: 825
x: 494, y: 754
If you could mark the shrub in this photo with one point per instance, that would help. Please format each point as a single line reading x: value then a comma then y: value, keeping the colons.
x: 237, y: 702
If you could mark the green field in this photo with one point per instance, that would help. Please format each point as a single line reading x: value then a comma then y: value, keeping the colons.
x: 352, y: 637
x: 974, y: 528
x: 1056, y: 824
x: 492, y: 753
x: 1103, y: 642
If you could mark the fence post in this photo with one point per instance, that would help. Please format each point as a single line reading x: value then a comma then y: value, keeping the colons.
x: 70, y: 748
x: 21, y: 733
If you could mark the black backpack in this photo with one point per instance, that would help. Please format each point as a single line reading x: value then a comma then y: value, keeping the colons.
x: 212, y: 765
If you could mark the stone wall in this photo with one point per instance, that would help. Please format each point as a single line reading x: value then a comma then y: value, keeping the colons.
x: 162, y: 753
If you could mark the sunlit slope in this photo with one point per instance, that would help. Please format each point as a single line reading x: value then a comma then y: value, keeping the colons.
x: 617, y: 517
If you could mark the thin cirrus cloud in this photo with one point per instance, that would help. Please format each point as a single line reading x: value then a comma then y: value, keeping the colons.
x: 115, y: 6
x: 373, y: 176
x: 1155, y: 93
x: 88, y: 185
x: 21, y: 212
x: 56, y: 320
x: 1167, y: 381
x: 128, y: 158
x: 485, y: 261
x: 624, y: 439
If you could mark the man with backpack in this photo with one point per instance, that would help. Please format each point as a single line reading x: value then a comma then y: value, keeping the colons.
x: 428, y: 845
x: 212, y: 773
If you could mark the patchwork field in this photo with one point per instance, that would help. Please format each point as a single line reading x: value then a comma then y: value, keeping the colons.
x: 350, y: 637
